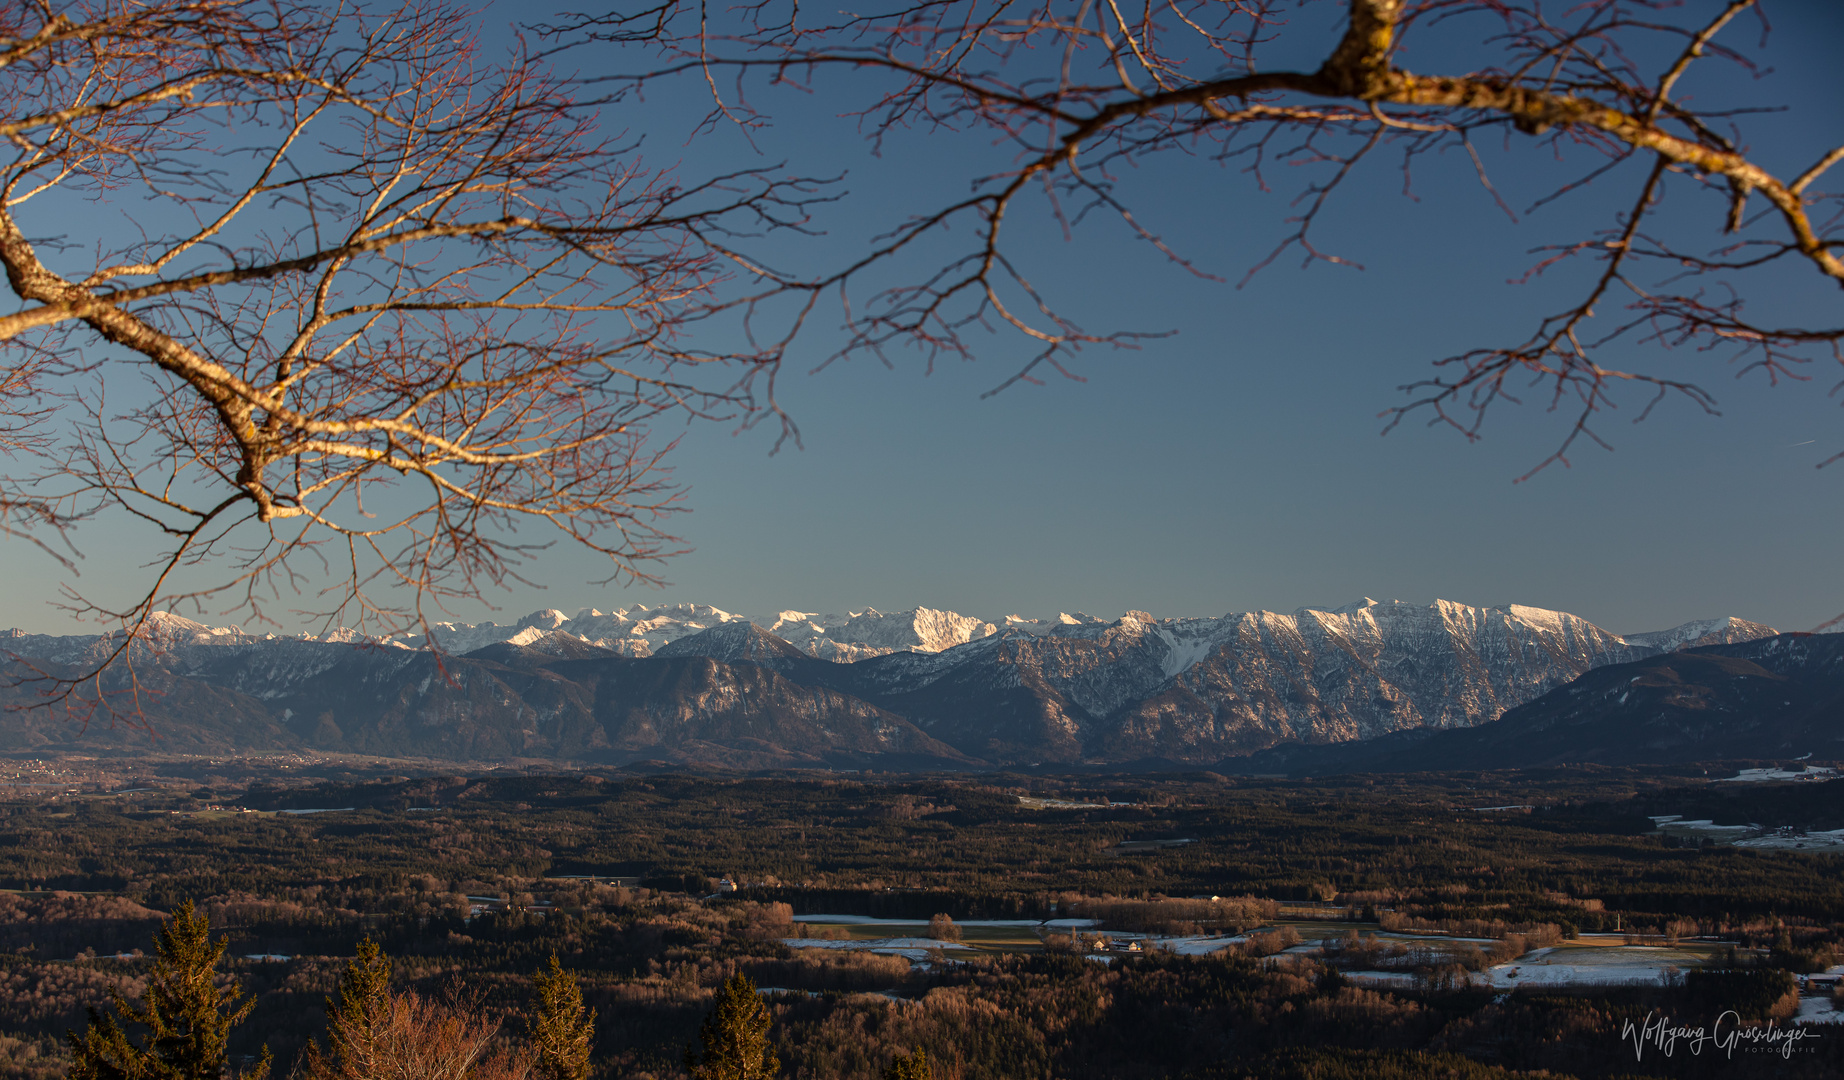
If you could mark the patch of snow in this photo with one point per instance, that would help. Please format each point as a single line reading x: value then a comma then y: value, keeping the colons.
x: 1818, y: 841
x: 1810, y: 774
x: 1817, y: 1010
x: 1706, y: 828
x: 1618, y: 965
x: 1200, y: 946
x: 1182, y: 653
x: 900, y: 946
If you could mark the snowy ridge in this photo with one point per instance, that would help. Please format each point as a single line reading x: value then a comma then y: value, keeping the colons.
x: 869, y: 633
x: 163, y: 632
x: 1701, y: 632
x: 1369, y: 626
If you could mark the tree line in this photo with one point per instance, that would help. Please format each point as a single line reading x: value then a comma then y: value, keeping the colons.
x: 1035, y: 1017
x: 178, y: 1027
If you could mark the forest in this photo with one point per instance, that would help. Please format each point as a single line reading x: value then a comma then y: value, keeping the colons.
x: 656, y: 888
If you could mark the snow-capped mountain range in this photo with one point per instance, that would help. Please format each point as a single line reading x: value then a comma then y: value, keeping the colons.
x: 641, y: 630
x: 637, y: 631
x: 1073, y: 688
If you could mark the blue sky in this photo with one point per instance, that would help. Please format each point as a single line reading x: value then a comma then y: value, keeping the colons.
x: 1238, y: 464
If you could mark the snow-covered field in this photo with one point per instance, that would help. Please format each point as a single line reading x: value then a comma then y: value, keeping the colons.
x: 1813, y: 774
x: 1750, y: 836
x: 1034, y: 803
x: 1592, y: 960
x: 1701, y: 828
x: 1817, y: 1010
x: 868, y: 920
x: 989, y: 932
x: 1199, y: 946
x: 909, y: 948
x: 1569, y: 965
x: 1818, y: 841
x: 906, y: 935
x: 909, y: 937
x: 1593, y: 965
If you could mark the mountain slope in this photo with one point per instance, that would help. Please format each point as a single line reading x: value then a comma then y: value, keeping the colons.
x: 1776, y: 698
x: 1692, y: 635
x: 733, y: 641
x: 1360, y: 672
x: 165, y: 714
x: 929, y: 684
x: 503, y: 702
x: 1196, y: 690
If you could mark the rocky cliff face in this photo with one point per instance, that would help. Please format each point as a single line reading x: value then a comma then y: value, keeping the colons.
x: 1198, y: 690
x: 924, y: 683
x: 1357, y: 673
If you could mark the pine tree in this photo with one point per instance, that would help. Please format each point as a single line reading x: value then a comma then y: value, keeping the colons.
x: 564, y: 1029
x: 735, y: 1036
x: 187, y: 1016
x: 358, y: 1024
x: 913, y: 1067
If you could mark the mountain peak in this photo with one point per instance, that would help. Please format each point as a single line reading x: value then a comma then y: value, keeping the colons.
x: 919, y: 629
x: 548, y: 619
x: 742, y: 640
x: 1699, y: 632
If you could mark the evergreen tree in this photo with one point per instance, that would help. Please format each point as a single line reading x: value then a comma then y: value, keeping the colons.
x: 913, y: 1067
x: 564, y: 1029
x: 187, y: 1016
x: 359, y: 1023
x: 735, y: 1036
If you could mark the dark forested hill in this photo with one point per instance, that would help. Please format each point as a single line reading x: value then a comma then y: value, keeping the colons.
x: 505, y: 702
x: 1777, y: 698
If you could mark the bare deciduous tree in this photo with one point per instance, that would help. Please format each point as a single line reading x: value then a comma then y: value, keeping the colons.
x: 396, y: 296
x: 392, y: 293
x: 374, y: 1033
x: 1083, y: 88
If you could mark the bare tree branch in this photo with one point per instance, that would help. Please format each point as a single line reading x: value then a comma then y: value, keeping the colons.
x: 392, y: 298
x: 1078, y: 87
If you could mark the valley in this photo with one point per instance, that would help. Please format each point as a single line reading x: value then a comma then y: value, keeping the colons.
x: 1015, y: 924
x: 1389, y: 840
